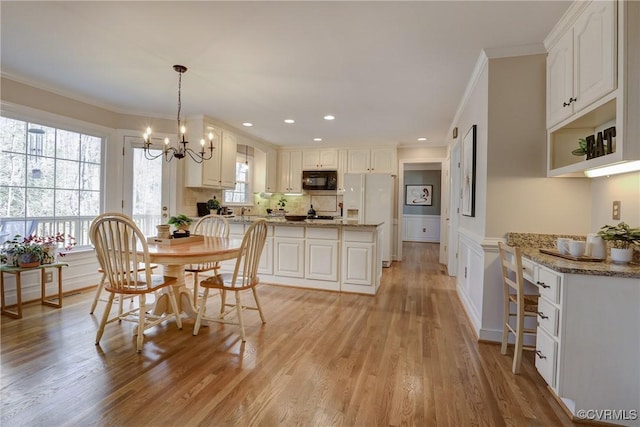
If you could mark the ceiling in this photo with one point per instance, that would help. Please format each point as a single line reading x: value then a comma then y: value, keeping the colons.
x: 390, y: 72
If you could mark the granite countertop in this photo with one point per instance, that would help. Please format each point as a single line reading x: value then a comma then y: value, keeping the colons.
x: 280, y: 220
x: 531, y: 244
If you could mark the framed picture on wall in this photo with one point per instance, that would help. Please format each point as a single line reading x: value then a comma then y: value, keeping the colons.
x: 468, y: 207
x: 418, y: 195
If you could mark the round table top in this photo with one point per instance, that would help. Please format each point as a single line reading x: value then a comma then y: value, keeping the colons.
x: 208, y: 249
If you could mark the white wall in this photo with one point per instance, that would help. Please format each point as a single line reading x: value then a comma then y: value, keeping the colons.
x: 604, y: 190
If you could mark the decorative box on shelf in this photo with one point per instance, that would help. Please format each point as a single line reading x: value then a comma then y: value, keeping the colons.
x: 153, y: 240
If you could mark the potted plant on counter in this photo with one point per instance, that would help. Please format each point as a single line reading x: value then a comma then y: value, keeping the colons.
x: 181, y: 223
x: 622, y: 238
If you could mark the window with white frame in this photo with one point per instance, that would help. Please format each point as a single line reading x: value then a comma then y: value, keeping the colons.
x: 242, y: 194
x: 50, y: 180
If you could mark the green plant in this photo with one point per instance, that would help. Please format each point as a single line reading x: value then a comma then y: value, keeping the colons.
x: 622, y: 236
x: 282, y: 202
x: 34, y: 248
x: 213, y: 204
x: 180, y: 221
x: 582, y: 148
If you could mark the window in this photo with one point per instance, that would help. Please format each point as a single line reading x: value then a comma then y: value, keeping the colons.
x: 242, y: 194
x: 50, y: 180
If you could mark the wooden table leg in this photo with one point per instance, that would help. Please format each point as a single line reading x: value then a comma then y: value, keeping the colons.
x: 43, y: 298
x: 18, y: 313
x: 184, y: 296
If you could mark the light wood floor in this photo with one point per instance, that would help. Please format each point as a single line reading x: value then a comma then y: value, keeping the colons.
x: 404, y: 357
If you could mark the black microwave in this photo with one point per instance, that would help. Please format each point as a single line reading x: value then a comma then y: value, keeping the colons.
x: 319, y: 180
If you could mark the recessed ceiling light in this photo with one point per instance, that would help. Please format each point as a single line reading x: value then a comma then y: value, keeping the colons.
x: 247, y: 124
x: 329, y: 117
x: 289, y: 121
x: 422, y: 138
x: 317, y: 139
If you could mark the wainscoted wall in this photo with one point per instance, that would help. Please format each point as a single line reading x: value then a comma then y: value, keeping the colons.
x: 421, y: 228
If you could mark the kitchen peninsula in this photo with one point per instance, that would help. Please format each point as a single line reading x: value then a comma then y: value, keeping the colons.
x: 333, y: 255
x: 587, y: 340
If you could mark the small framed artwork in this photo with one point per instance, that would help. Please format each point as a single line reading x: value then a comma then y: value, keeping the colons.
x: 418, y: 195
x: 468, y: 207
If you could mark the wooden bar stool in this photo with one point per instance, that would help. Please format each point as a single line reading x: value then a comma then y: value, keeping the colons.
x: 526, y: 305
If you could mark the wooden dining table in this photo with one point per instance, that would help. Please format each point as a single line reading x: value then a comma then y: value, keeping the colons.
x: 175, y: 257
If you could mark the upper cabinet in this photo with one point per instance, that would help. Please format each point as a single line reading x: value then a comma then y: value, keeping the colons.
x: 325, y: 159
x: 219, y: 171
x: 371, y: 160
x: 265, y: 170
x: 593, y: 92
x: 290, y: 171
x: 581, y: 65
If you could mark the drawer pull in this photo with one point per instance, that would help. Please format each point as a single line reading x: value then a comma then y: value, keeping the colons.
x: 540, y: 355
x: 541, y: 314
x: 543, y: 285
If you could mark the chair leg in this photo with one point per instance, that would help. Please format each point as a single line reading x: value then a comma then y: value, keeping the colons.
x: 195, y: 289
x: 174, y: 306
x: 517, y: 351
x: 98, y: 293
x: 255, y: 296
x: 141, y: 322
x: 105, y: 317
x: 505, y: 328
x: 201, y: 309
x: 223, y: 301
x: 240, y: 319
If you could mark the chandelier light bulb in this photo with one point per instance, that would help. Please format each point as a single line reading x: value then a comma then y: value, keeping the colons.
x: 202, y: 142
x: 166, y: 141
x: 210, y: 136
x: 183, y: 130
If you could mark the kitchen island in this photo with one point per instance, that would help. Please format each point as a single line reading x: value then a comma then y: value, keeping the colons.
x: 334, y: 255
x: 588, y: 339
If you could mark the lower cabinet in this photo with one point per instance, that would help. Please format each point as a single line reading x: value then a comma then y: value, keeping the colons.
x: 321, y: 254
x: 587, y: 342
x: 266, y: 259
x: 289, y: 252
x: 361, y: 261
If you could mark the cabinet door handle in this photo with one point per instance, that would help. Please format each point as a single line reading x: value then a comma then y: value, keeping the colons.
x: 543, y: 285
x: 540, y: 355
x: 572, y: 100
x: 541, y: 314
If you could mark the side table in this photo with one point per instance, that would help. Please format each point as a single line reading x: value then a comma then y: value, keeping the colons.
x: 17, y: 271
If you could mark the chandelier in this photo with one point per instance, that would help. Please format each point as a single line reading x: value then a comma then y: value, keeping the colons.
x: 182, y: 150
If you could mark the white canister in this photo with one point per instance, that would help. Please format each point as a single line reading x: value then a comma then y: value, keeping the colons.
x: 563, y: 245
x: 577, y: 248
x: 596, y: 247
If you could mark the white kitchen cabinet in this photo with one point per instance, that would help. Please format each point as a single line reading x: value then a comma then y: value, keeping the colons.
x: 266, y: 259
x: 289, y: 252
x: 372, y: 160
x: 228, y: 155
x: 324, y: 159
x: 342, y: 169
x: 220, y: 170
x: 361, y: 260
x: 588, y: 334
x: 581, y: 66
x: 265, y: 177
x: 290, y: 167
x: 602, y: 38
x: 321, y: 254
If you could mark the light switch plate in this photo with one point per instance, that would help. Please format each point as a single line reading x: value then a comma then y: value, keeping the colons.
x: 615, y: 214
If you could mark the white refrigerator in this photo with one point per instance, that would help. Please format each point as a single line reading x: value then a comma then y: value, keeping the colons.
x: 368, y: 198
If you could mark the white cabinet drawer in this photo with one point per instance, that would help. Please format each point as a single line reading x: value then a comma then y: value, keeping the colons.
x: 549, y: 284
x: 357, y: 236
x: 322, y: 233
x: 546, y: 353
x: 297, y: 232
x: 548, y: 317
x: 528, y: 270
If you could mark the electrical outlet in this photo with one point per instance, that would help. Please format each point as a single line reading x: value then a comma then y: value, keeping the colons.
x: 48, y: 277
x: 615, y: 214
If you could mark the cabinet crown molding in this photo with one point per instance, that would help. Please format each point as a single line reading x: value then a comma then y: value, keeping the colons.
x: 566, y: 21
